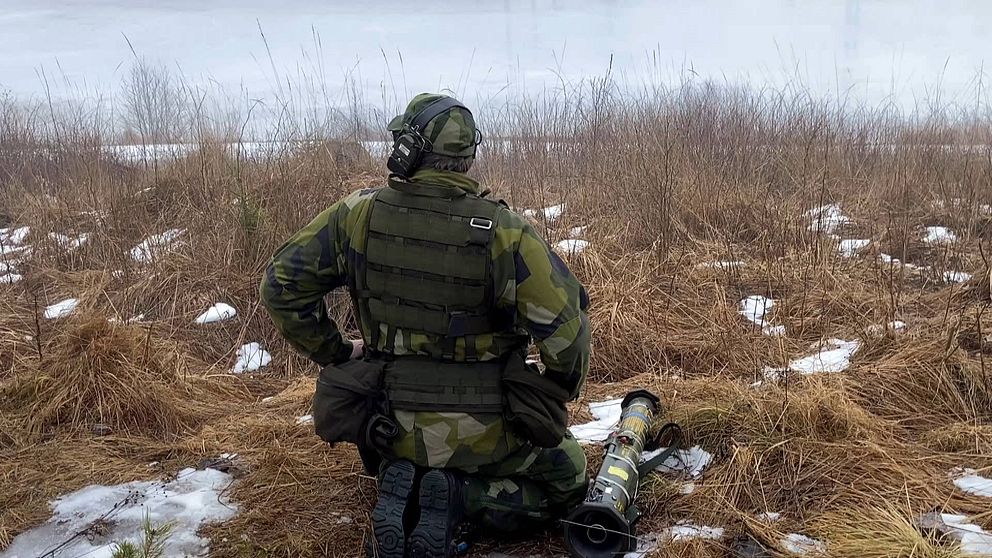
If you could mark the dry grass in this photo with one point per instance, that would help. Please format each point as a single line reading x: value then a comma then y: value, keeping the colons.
x: 663, y: 185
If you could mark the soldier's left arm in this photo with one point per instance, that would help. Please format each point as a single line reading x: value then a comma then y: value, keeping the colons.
x: 302, y: 272
x: 549, y: 302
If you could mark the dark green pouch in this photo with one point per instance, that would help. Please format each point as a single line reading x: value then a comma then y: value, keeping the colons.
x: 347, y: 395
x: 535, y: 405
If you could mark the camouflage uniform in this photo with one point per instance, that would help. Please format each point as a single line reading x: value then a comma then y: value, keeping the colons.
x: 508, y: 479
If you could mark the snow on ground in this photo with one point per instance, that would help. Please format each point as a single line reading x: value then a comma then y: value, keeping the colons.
x: 550, y: 213
x: 112, y: 514
x: 692, y: 462
x: 61, y: 309
x: 684, y: 531
x: 827, y: 218
x: 14, y: 237
x: 769, y: 517
x: 896, y: 326
x: 833, y: 356
x: 607, y: 415
x: 968, y: 480
x: 974, y: 540
x: 69, y: 242
x: 576, y: 232
x: 216, y: 313
x: 724, y: 265
x: 802, y: 545
x: 9, y: 278
x: 956, y: 277
x: 850, y: 247
x: 151, y: 247
x: 889, y: 259
x: 129, y: 321
x: 937, y: 235
x: 251, y: 357
x: 305, y: 419
x: 572, y: 245
x: 755, y: 308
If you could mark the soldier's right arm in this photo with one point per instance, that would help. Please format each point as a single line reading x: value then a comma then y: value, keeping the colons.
x: 305, y: 269
x: 547, y: 299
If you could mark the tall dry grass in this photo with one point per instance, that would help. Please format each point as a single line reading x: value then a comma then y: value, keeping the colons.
x: 662, y: 182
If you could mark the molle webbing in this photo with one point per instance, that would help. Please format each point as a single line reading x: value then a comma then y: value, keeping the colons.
x: 423, y: 384
x: 427, y: 264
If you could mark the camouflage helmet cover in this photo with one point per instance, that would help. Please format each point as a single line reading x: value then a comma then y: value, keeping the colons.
x: 451, y: 133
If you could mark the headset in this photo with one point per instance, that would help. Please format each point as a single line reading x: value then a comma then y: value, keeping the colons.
x: 409, y: 144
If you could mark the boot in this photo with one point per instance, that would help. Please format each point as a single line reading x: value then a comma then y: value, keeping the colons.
x: 393, y: 510
x: 441, y: 513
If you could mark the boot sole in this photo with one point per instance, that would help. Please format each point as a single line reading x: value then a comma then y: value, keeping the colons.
x: 387, y: 516
x: 431, y: 538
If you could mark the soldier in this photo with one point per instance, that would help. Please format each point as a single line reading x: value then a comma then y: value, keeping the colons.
x: 449, y: 289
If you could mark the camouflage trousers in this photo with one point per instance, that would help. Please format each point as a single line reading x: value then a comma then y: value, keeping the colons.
x: 511, y: 485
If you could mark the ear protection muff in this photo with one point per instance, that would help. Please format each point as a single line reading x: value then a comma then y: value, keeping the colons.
x: 409, y: 144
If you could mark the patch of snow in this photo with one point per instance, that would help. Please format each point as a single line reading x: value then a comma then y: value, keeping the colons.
x: 724, y: 265
x: 850, y: 247
x: 646, y: 544
x: 129, y: 321
x: 341, y: 519
x: 607, y: 415
x: 67, y: 242
x: 61, y: 309
x: 267, y: 399
x: 151, y: 247
x: 774, y: 331
x: 684, y: 531
x: 9, y: 278
x: 971, y: 482
x: 14, y: 237
x: 572, y: 246
x: 755, y: 308
x: 956, y: 277
x: 688, y: 488
x: 691, y: 462
x: 827, y: 218
x: 834, y: 356
x: 937, y: 235
x: 191, y: 500
x: 550, y: 213
x: 896, y: 326
x: 985, y: 208
x: 251, y: 357
x: 974, y: 540
x: 216, y: 313
x: 305, y: 419
x: 576, y: 232
x: 769, y: 517
x: 889, y: 259
x: 802, y: 545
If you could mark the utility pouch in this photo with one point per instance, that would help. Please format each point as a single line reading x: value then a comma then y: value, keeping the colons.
x: 347, y: 396
x: 534, y: 404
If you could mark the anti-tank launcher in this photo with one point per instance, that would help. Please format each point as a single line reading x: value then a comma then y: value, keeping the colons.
x: 604, y: 525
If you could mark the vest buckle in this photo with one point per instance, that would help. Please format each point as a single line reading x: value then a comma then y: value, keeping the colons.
x: 480, y: 223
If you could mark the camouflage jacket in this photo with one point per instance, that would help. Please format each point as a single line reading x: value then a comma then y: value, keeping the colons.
x: 531, y: 282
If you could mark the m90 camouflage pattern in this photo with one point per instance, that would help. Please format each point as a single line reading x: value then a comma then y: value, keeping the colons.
x: 603, y: 526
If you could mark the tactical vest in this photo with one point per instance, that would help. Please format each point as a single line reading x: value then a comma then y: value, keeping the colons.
x: 427, y: 269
